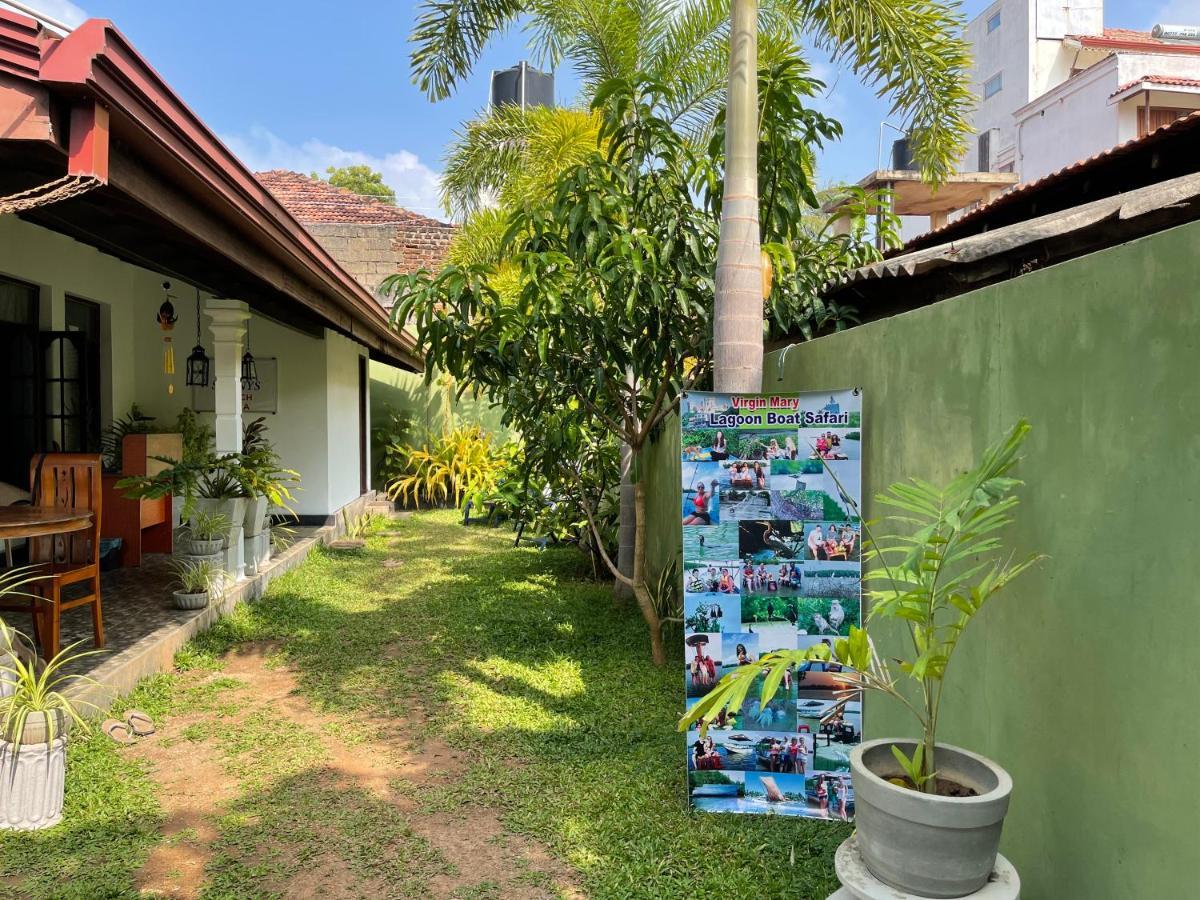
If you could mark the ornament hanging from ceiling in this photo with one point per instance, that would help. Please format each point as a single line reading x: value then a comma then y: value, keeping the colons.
x: 166, y: 319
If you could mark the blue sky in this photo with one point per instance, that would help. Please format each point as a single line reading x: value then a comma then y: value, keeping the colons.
x: 304, y: 85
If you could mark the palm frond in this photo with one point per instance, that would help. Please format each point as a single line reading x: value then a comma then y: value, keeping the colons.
x: 449, y: 36
x: 912, y: 52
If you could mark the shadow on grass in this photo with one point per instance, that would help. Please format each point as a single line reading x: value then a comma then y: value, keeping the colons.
x: 516, y: 658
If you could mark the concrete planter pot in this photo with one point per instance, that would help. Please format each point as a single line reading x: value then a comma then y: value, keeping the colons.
x: 190, y: 601
x: 232, y: 508
x: 256, y: 516
x: 205, y: 548
x: 924, y: 844
x: 33, y: 775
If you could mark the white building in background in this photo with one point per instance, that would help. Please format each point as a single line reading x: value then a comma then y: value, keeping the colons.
x: 1055, y: 86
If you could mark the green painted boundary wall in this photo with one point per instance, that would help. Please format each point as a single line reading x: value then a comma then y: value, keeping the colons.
x: 1083, y: 679
x: 431, y: 408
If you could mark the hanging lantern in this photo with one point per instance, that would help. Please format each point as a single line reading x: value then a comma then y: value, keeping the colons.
x: 250, y: 380
x: 166, y: 319
x: 197, y: 361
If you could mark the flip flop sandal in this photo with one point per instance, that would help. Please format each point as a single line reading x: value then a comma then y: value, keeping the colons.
x: 139, y: 723
x: 118, y: 731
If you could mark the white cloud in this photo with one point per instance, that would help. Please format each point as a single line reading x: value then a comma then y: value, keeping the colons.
x: 60, y: 10
x: 415, y: 184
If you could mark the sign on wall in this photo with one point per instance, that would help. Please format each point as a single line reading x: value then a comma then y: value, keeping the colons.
x: 772, y: 561
x: 263, y: 400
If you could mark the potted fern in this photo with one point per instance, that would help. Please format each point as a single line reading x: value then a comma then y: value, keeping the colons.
x: 35, y: 718
x: 929, y: 815
x: 196, y: 580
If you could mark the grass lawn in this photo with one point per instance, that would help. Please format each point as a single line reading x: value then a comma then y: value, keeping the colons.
x: 511, y: 659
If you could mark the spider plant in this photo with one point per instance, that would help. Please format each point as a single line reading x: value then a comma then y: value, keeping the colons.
x: 40, y: 690
x: 197, y: 576
x: 208, y: 526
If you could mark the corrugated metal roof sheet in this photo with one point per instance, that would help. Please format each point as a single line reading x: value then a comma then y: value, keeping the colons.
x: 1026, y: 188
x: 990, y: 243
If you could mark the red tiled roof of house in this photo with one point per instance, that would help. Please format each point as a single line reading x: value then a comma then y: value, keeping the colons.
x: 1158, y: 79
x: 1128, y: 39
x: 313, y: 201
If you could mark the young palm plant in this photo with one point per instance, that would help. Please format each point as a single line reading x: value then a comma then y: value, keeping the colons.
x: 935, y: 575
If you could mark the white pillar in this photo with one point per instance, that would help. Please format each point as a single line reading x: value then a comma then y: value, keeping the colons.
x: 227, y: 323
x: 228, y: 327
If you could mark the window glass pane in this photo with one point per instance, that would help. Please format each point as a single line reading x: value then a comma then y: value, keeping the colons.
x: 992, y: 86
x: 18, y: 303
x: 993, y: 22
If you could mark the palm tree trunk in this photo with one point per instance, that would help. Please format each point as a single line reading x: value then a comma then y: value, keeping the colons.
x: 738, y: 311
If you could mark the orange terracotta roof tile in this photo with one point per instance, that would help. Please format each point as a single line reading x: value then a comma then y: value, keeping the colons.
x: 311, y: 201
x: 1167, y: 80
x: 1129, y: 39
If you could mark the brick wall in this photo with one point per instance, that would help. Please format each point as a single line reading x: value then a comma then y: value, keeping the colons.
x: 370, y: 253
x: 422, y: 245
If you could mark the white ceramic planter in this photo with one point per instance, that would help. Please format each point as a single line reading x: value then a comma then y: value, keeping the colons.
x: 33, y: 776
x: 923, y: 844
x: 256, y: 516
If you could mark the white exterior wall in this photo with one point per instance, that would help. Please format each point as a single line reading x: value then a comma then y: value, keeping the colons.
x: 1080, y: 118
x: 315, y: 427
x: 1073, y: 121
x: 342, y: 416
x: 1006, y: 51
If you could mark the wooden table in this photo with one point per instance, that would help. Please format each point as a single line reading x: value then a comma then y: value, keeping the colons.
x: 39, y: 521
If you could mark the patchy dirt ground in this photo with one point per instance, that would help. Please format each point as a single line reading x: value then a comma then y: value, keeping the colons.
x: 205, y: 768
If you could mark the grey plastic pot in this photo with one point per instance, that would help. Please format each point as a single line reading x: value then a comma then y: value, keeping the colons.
x: 190, y: 601
x: 205, y: 548
x: 924, y: 844
x: 256, y: 516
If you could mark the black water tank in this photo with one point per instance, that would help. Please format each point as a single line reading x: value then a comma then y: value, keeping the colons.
x: 902, y: 158
x: 523, y: 86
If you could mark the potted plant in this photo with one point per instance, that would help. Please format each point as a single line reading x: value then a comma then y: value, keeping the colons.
x: 197, y: 580
x: 929, y: 815
x: 206, y: 534
x: 13, y: 644
x: 34, y: 722
x: 267, y: 483
x: 222, y: 490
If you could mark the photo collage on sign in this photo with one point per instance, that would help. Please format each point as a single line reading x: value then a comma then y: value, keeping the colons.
x: 772, y: 561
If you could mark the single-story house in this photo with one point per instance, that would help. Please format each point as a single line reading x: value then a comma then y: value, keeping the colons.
x: 111, y: 188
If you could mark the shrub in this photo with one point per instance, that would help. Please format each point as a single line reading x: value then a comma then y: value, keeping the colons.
x: 459, y: 464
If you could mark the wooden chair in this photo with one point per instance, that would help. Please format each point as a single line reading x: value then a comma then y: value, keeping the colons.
x: 71, y: 481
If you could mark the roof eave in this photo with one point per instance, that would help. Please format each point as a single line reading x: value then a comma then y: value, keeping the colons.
x: 96, y: 61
